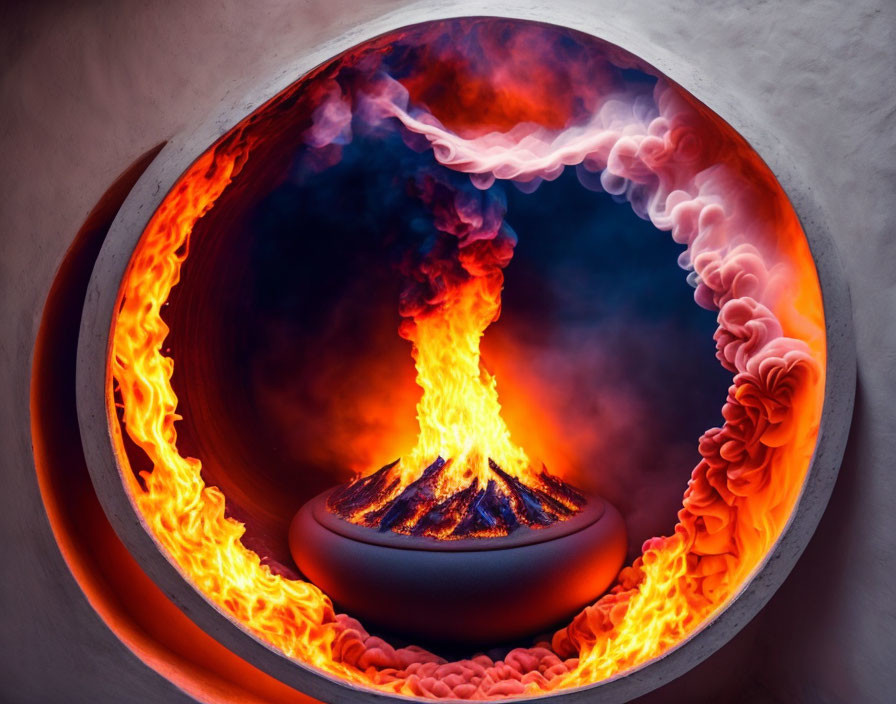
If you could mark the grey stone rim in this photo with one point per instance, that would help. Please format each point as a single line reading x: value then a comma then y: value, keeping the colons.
x: 101, y: 301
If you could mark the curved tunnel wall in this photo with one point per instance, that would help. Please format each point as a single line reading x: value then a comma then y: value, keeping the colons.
x: 38, y: 295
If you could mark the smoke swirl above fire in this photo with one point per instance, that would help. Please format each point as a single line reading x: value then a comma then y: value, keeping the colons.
x: 502, y: 104
x: 465, y: 476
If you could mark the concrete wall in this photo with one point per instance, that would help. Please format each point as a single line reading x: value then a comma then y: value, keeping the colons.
x: 88, y: 87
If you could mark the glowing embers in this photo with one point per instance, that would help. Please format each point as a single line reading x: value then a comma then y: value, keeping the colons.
x: 499, y: 508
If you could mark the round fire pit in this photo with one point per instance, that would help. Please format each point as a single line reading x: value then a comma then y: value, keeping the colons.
x: 472, y: 590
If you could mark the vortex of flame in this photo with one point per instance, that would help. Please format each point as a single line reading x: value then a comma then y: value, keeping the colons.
x: 678, y: 165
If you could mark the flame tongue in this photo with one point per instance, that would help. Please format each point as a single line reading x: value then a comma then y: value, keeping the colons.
x: 498, y: 508
x: 452, y: 293
x: 481, y: 483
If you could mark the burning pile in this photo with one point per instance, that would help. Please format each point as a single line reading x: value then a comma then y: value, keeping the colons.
x: 505, y: 503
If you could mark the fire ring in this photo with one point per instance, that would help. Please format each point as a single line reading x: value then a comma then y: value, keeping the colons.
x: 464, y: 591
x: 752, y: 340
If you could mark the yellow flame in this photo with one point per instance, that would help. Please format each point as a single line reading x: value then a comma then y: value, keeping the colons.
x: 459, y: 414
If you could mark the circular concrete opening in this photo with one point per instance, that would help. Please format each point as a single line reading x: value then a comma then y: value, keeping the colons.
x: 208, y: 533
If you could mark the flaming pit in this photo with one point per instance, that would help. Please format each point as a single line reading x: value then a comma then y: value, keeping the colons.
x: 466, y: 590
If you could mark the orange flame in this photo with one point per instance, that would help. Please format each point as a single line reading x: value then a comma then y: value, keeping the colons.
x: 185, y: 516
x: 464, y: 456
x: 737, y: 503
x: 459, y: 413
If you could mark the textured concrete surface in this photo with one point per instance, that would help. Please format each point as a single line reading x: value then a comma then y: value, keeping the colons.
x: 86, y: 88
